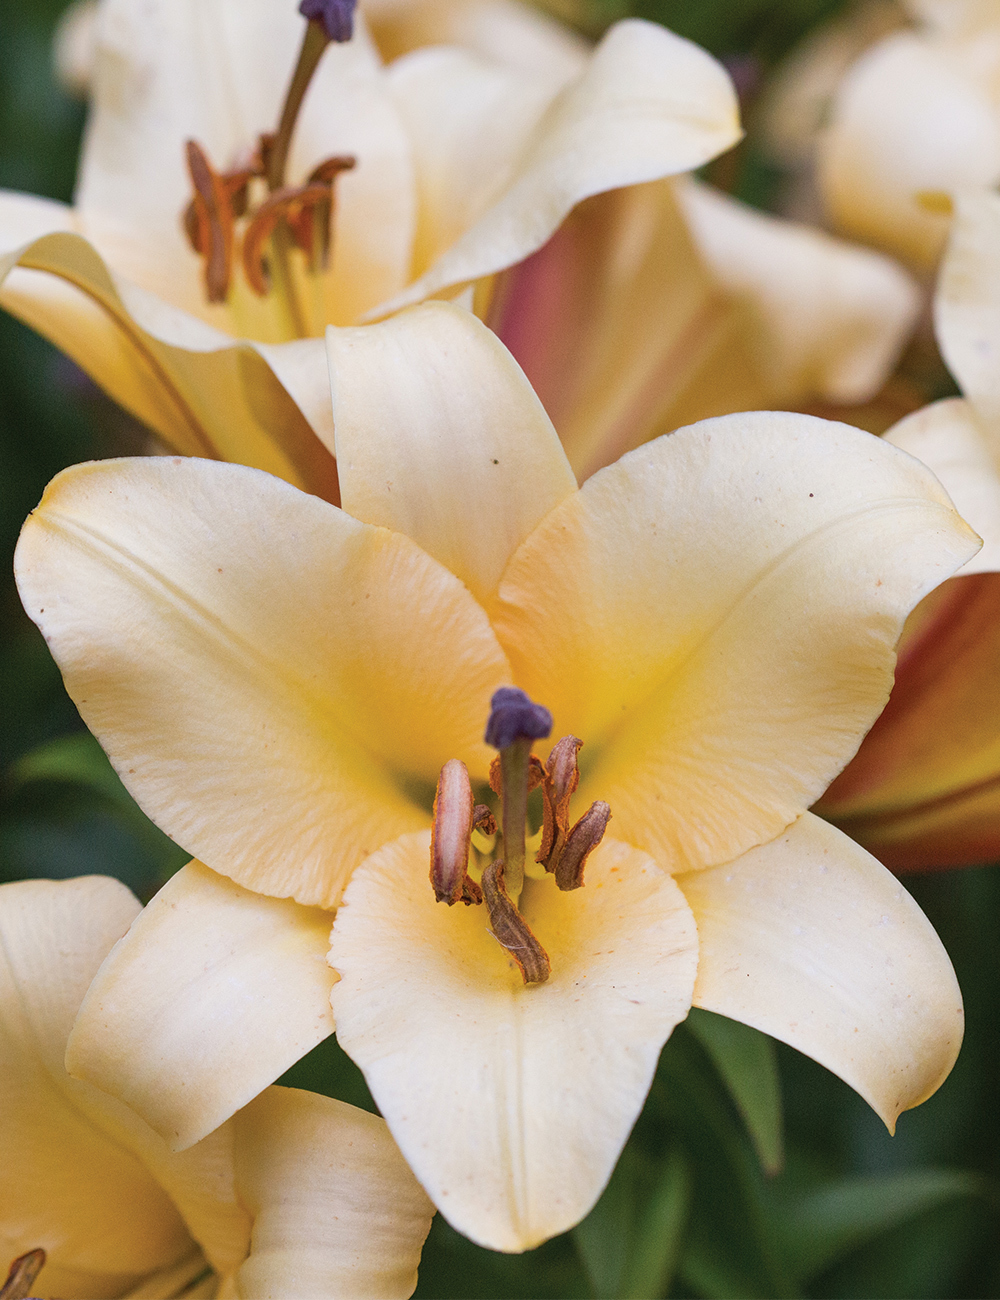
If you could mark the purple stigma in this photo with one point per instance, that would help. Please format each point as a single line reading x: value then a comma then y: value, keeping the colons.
x: 513, y: 716
x: 335, y: 16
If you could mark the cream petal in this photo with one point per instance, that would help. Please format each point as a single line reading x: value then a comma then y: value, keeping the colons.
x: 931, y: 762
x: 336, y: 1210
x: 951, y: 441
x: 622, y: 329
x: 213, y: 993
x: 204, y: 394
x: 439, y: 436
x: 912, y: 115
x: 24, y: 217
x: 87, y: 1200
x: 648, y: 105
x: 542, y: 1082
x: 715, y: 617
x: 503, y: 31
x: 289, y: 695
x: 967, y: 308
x: 811, y: 940
x: 830, y: 319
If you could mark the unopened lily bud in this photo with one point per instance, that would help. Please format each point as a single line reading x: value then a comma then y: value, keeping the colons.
x: 514, y: 716
x: 336, y: 17
x: 580, y: 843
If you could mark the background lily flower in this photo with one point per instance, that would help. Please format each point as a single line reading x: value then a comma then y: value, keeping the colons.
x: 924, y: 790
x: 462, y: 168
x: 915, y: 119
x: 306, y: 671
x: 296, y: 1194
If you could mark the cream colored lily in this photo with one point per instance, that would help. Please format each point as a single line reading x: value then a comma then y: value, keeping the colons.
x: 915, y: 119
x: 295, y: 1195
x: 714, y: 617
x: 648, y: 309
x: 462, y: 167
x: 924, y: 791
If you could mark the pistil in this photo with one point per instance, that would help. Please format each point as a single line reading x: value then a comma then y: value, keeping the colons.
x: 515, y: 721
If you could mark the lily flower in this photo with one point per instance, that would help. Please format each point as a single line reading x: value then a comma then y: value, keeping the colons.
x: 282, y: 685
x: 242, y: 187
x: 498, y: 156
x: 924, y: 790
x: 297, y: 1194
x: 915, y: 119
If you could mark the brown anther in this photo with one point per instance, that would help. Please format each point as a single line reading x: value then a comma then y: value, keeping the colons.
x: 22, y: 1274
x: 561, y: 778
x: 483, y: 820
x: 511, y: 930
x: 451, y: 837
x: 322, y: 215
x: 209, y: 220
x: 580, y: 843
x: 292, y: 205
x: 536, y: 774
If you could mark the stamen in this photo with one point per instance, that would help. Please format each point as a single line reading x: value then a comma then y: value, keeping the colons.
x: 580, y: 843
x: 209, y: 221
x: 451, y: 838
x: 559, y: 783
x: 514, y: 722
x: 22, y: 1274
x: 291, y: 206
x: 511, y: 930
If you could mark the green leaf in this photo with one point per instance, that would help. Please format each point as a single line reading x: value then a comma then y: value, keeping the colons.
x: 630, y: 1241
x: 820, y: 1227
x: 77, y: 759
x: 748, y: 1064
x: 659, y: 1227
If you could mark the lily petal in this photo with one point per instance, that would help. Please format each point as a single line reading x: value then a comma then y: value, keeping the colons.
x: 622, y: 348
x: 908, y: 118
x: 718, y: 686
x: 212, y: 994
x: 118, y: 1203
x: 440, y: 437
x: 831, y: 318
x: 649, y: 104
x: 931, y: 762
x: 88, y: 1202
x: 290, y: 669
x: 336, y: 1210
x: 811, y: 940
x: 967, y: 308
x: 950, y: 440
x: 543, y: 1082
x: 204, y: 394
x: 503, y: 31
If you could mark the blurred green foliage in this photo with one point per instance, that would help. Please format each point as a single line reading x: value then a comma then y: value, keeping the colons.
x: 751, y: 1171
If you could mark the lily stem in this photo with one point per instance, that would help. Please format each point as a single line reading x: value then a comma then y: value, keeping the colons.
x: 514, y: 760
